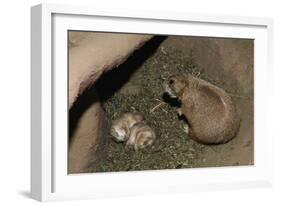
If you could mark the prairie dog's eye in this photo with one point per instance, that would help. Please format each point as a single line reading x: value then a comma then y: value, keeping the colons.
x: 171, y: 81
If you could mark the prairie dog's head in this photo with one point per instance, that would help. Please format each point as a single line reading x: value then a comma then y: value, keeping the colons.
x: 120, y: 128
x: 175, y: 85
x: 141, y: 136
x: 119, y: 131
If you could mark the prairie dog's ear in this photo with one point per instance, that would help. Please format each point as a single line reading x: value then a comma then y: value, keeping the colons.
x: 177, y: 83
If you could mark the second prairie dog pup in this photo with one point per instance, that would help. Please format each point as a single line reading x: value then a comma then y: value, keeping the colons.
x: 141, y: 136
x: 211, y: 115
x: 120, y: 128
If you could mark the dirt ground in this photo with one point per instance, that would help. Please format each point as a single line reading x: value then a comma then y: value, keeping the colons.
x: 136, y: 85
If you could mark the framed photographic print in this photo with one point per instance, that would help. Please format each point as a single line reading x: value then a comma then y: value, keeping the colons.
x: 137, y: 102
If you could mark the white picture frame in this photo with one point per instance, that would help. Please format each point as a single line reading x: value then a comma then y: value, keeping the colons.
x: 49, y: 178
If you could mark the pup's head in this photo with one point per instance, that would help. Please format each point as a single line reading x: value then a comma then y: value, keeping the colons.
x: 144, y: 140
x: 119, y: 132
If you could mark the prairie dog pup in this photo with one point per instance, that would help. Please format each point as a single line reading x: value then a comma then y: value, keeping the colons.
x: 141, y: 136
x: 211, y: 114
x: 120, y: 128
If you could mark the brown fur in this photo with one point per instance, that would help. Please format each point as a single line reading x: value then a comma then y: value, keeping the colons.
x: 209, y: 110
x: 124, y: 124
x: 141, y: 136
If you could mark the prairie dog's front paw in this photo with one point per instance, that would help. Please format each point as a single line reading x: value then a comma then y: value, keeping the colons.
x: 179, y: 111
x: 186, y: 128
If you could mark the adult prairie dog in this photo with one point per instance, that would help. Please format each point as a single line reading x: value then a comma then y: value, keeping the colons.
x: 211, y: 114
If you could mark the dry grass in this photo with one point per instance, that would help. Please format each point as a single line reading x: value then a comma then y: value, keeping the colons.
x: 173, y: 148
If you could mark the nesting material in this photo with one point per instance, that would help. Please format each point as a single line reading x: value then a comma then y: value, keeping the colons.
x: 172, y: 148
